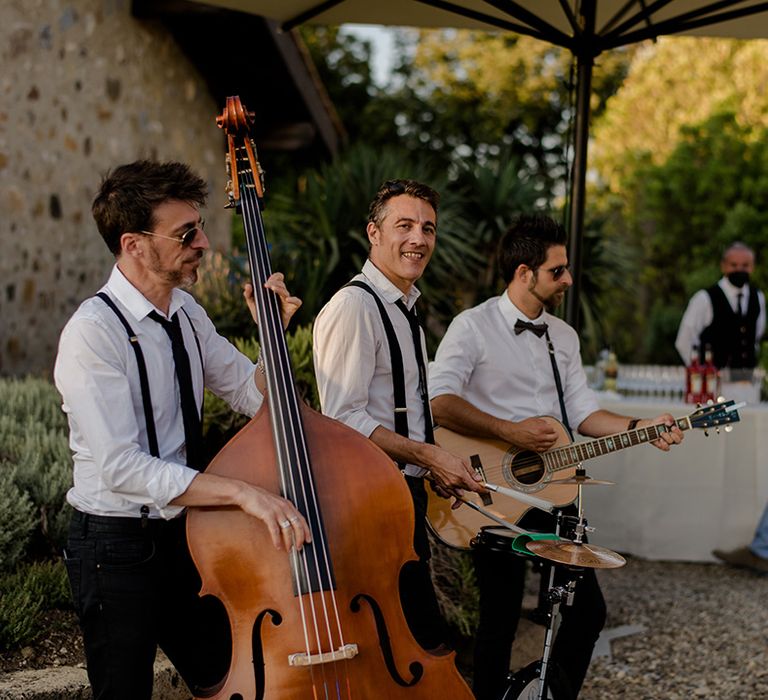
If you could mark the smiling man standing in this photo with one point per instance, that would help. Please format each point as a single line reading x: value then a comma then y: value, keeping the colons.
x: 370, y: 364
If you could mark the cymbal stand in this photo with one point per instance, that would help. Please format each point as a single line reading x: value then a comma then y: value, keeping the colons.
x: 555, y: 597
x: 532, y: 682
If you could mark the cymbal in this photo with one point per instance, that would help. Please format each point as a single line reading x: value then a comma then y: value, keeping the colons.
x: 589, y: 556
x: 583, y: 480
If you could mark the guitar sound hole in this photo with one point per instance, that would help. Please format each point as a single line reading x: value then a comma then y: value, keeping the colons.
x: 527, y: 468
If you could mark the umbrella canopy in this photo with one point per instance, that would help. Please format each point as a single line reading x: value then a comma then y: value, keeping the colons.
x: 585, y: 27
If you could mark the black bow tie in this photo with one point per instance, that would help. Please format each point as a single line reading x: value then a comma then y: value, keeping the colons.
x: 538, y: 328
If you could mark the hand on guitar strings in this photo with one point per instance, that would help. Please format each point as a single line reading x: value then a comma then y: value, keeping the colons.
x: 533, y: 434
x: 289, y: 305
x: 673, y: 437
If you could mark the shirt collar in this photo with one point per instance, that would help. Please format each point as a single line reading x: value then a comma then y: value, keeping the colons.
x: 511, y: 313
x: 732, y: 289
x: 134, y: 301
x: 389, y: 291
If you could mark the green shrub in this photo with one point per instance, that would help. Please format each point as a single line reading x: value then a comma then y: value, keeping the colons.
x: 24, y: 595
x: 17, y: 519
x: 220, y: 423
x: 34, y: 450
x: 456, y: 586
x: 219, y: 289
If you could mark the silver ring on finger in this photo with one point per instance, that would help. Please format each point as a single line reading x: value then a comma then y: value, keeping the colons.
x: 285, y: 524
x: 294, y: 519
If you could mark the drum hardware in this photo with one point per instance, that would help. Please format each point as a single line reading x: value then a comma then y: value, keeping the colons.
x: 537, y: 680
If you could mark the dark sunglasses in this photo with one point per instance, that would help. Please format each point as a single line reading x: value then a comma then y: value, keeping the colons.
x: 185, y: 239
x: 557, y: 272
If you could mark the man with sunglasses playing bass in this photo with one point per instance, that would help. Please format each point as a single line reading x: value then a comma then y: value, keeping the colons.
x: 131, y: 368
x: 491, y: 377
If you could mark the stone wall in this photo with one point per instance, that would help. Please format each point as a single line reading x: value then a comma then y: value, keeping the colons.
x: 84, y: 87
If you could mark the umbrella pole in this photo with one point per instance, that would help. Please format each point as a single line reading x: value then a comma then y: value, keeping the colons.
x: 584, y: 50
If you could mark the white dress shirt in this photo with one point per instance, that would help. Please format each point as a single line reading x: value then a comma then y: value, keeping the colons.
x: 510, y: 376
x: 352, y: 360
x: 698, y: 315
x: 98, y: 378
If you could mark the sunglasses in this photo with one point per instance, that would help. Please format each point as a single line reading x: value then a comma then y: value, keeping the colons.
x: 185, y: 239
x: 557, y: 272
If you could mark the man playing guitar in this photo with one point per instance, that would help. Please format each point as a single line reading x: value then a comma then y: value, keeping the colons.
x: 500, y: 365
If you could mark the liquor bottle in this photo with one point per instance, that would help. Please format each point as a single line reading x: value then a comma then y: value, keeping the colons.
x: 611, y: 372
x: 693, y: 378
x: 710, y: 377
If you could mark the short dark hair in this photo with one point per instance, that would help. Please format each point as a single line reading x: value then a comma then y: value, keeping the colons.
x: 527, y: 241
x: 129, y: 194
x: 393, y: 188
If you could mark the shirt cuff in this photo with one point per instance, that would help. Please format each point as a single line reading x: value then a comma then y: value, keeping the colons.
x: 170, y: 484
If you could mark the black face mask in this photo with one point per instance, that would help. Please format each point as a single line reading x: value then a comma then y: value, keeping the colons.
x: 738, y: 278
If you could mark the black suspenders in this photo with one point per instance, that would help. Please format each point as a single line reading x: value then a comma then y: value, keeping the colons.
x: 398, y: 373
x: 143, y: 380
x: 146, y: 398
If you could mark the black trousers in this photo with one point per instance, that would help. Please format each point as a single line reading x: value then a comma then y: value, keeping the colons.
x: 501, y: 582
x: 417, y: 594
x: 135, y: 588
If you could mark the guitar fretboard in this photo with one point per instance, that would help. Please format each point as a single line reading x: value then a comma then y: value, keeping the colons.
x: 571, y: 455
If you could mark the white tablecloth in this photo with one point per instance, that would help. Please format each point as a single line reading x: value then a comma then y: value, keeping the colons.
x: 707, y: 493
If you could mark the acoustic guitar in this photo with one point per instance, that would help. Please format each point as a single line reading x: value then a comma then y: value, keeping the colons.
x: 538, y: 473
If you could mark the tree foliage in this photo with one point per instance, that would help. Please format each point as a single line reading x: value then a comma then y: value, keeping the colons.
x: 465, y: 94
x: 680, y: 155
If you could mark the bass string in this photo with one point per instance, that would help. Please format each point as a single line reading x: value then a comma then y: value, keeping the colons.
x: 293, y: 438
x: 278, y: 378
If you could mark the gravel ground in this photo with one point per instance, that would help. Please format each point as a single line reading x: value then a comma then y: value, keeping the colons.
x: 706, y: 633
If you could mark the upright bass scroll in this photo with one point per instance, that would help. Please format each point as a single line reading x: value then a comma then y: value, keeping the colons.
x: 325, y: 621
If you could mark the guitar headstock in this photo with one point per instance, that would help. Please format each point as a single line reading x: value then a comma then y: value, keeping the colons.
x: 715, y: 415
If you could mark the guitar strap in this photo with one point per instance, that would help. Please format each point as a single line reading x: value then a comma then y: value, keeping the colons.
x: 558, y: 383
x: 398, y: 374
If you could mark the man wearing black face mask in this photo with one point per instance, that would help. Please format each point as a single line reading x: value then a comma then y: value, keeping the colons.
x: 729, y: 316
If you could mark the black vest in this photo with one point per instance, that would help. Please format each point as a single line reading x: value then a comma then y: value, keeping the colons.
x: 731, y: 336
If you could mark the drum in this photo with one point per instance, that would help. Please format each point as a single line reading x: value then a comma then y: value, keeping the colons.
x: 526, y: 685
x: 495, y: 538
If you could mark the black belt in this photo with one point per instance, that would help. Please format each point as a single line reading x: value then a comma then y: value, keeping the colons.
x: 108, y: 523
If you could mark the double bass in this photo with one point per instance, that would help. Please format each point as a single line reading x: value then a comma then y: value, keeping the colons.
x: 324, y: 622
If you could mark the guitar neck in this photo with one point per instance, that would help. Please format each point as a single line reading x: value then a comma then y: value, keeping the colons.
x: 565, y: 457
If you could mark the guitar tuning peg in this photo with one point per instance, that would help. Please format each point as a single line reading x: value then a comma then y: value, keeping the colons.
x: 710, y: 402
x: 720, y: 399
x: 717, y: 430
x: 728, y: 428
x: 706, y: 433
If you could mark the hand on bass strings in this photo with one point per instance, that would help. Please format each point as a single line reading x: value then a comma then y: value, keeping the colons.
x: 286, y: 525
x: 289, y: 305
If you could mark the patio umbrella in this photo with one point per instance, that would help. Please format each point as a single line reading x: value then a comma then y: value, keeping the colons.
x: 584, y: 27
